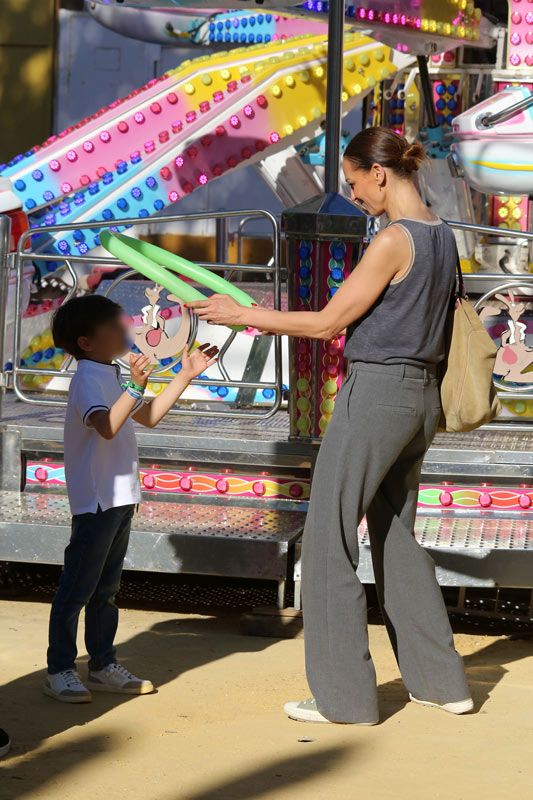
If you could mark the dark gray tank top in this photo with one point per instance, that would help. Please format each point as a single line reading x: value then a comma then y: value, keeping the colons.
x: 406, y: 325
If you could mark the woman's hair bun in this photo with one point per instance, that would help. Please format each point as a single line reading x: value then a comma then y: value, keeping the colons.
x: 412, y: 157
x: 379, y: 145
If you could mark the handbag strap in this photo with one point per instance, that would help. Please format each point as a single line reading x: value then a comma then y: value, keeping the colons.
x: 460, y: 291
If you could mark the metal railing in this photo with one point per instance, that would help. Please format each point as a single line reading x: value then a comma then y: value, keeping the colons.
x: 488, y: 120
x: 240, y: 233
x: 500, y: 283
x: 22, y: 255
x: 489, y: 230
x: 5, y: 236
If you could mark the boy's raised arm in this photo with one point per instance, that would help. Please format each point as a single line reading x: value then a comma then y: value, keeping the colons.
x: 108, y: 421
x: 150, y: 414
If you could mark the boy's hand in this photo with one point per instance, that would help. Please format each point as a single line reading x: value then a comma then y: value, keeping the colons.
x: 140, y: 369
x: 198, y: 361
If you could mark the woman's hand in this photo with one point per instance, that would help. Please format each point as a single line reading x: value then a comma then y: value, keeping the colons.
x: 140, y: 369
x: 219, y: 309
x: 386, y: 256
x: 198, y: 361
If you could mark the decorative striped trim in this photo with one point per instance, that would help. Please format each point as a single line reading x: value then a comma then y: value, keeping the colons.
x: 90, y: 411
x: 409, y: 267
x: 437, y: 221
x: 497, y: 165
x: 155, y: 479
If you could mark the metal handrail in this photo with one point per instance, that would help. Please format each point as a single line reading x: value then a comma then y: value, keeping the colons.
x: 23, y: 255
x: 71, y: 226
x: 488, y: 120
x: 488, y: 229
x: 240, y: 237
x: 111, y: 261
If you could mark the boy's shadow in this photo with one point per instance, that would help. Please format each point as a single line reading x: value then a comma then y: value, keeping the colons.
x: 20, y: 780
x: 484, y: 670
x: 162, y: 653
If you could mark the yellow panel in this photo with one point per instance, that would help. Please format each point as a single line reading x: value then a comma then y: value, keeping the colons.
x: 27, y: 22
x: 293, y: 74
x: 26, y: 85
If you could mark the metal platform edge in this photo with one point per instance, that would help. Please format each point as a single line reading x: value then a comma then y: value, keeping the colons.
x: 201, y: 540
x: 485, y: 454
x: 481, y: 552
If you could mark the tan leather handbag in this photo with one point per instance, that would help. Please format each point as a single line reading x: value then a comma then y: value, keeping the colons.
x: 468, y: 395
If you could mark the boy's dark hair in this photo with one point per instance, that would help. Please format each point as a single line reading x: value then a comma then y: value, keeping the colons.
x: 81, y: 316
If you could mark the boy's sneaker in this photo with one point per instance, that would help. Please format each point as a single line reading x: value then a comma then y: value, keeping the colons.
x: 458, y: 707
x: 116, y: 678
x: 67, y: 687
x: 5, y: 743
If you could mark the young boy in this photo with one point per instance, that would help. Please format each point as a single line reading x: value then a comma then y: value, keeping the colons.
x: 101, y: 465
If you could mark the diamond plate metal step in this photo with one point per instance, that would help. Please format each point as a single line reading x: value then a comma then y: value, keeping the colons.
x: 469, y: 534
x: 192, y: 538
x: 470, y: 552
x: 485, y: 551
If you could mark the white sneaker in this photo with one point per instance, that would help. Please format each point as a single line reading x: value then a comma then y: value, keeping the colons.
x: 459, y: 707
x: 306, y: 711
x: 116, y: 678
x: 67, y: 687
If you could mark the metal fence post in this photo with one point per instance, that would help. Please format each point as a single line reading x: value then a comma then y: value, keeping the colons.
x: 10, y: 463
x: 221, y: 240
x: 5, y: 238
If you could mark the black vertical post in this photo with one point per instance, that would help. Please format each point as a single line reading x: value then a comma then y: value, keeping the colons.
x: 425, y: 85
x: 334, y: 94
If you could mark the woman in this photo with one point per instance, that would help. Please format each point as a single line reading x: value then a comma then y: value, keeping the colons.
x: 395, y: 305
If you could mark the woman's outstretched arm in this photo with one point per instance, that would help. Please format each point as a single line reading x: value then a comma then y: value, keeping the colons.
x: 386, y: 258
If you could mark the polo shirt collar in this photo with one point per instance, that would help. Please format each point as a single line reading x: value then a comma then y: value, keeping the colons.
x: 89, y: 363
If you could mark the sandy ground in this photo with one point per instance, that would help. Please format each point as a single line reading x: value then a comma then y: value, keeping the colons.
x: 215, y: 727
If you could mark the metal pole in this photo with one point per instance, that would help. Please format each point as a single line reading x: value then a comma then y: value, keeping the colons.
x: 5, y: 238
x: 221, y: 240
x: 334, y: 94
x: 488, y: 120
x: 425, y: 85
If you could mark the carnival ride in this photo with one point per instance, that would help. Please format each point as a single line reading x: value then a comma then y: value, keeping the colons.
x: 227, y: 477
x: 495, y: 142
x: 208, y: 116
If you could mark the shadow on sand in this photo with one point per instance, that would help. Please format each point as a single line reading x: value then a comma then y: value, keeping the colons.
x: 164, y: 652
x: 274, y: 777
x: 484, y: 670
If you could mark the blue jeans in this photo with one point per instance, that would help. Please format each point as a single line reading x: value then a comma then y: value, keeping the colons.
x: 91, y: 578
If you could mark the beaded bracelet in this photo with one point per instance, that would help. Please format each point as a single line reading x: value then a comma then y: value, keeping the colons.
x: 133, y: 393
x: 134, y: 386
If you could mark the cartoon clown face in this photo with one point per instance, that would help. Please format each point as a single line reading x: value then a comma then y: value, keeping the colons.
x: 514, y: 360
x: 164, y: 332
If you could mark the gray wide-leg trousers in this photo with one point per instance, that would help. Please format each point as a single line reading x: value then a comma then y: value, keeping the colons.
x: 369, y: 464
